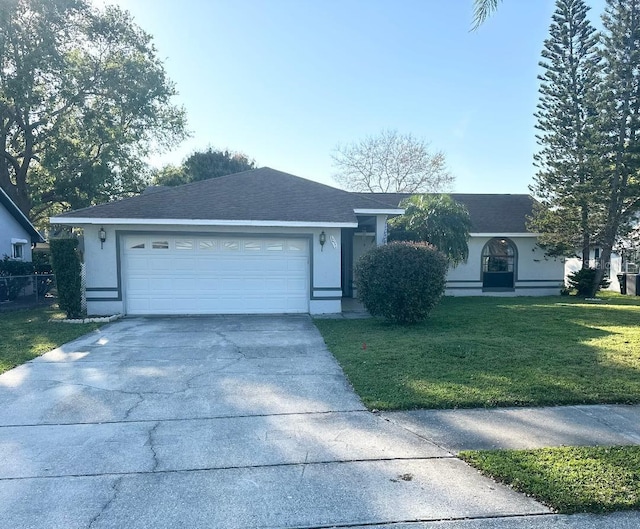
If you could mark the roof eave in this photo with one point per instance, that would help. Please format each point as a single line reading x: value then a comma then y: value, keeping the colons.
x: 79, y: 221
x: 504, y: 234
x: 372, y: 211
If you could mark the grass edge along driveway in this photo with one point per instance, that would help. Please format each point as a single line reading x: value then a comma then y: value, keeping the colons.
x: 568, y: 479
x: 488, y: 351
x: 28, y: 333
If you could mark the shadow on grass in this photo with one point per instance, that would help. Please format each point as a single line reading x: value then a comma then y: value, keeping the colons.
x: 483, y: 352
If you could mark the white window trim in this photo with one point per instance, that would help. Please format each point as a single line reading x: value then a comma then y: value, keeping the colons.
x: 14, y: 246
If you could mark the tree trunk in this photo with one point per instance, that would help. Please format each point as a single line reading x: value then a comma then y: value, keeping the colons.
x: 586, y: 239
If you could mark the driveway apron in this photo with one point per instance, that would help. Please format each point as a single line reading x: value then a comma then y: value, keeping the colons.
x: 222, y: 421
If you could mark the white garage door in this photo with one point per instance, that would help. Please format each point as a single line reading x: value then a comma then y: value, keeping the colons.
x: 215, y: 275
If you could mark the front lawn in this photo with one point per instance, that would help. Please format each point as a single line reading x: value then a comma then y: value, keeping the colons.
x: 484, y: 352
x: 29, y: 333
x: 568, y: 479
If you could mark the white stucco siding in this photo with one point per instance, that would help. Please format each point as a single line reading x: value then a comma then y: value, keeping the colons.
x: 11, y: 229
x: 106, y: 292
x: 535, y: 275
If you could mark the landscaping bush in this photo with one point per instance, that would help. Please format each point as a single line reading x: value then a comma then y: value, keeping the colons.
x: 401, y: 281
x: 582, y: 279
x: 42, y: 269
x: 65, y: 261
x: 9, y: 268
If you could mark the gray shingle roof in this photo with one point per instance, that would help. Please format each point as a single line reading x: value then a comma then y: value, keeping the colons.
x: 256, y: 195
x: 489, y: 213
x: 268, y: 195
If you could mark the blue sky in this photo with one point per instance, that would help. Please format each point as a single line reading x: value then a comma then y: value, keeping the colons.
x: 285, y: 81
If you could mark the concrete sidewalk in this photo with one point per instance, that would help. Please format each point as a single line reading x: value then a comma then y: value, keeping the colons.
x: 521, y: 428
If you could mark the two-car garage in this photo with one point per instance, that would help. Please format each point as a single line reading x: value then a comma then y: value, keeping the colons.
x: 183, y: 274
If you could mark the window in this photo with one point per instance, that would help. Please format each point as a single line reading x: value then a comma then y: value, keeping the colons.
x: 499, y: 263
x: 18, y: 251
x: 296, y: 246
x: 184, y: 245
x: 137, y: 244
x: 252, y: 246
x: 498, y: 255
x: 207, y: 244
x: 160, y: 245
x: 230, y: 245
x: 275, y: 246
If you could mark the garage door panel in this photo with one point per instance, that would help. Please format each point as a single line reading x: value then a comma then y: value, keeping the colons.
x: 208, y: 275
x: 293, y: 285
x: 160, y: 264
x: 137, y: 263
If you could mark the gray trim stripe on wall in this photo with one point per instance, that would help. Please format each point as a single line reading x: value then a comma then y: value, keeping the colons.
x: 119, y: 298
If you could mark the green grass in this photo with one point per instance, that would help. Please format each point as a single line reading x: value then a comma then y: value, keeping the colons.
x: 485, y: 352
x: 568, y: 479
x: 29, y: 333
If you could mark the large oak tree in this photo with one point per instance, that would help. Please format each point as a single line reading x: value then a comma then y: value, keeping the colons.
x: 84, y: 99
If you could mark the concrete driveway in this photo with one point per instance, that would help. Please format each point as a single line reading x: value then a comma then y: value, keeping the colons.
x: 220, y: 422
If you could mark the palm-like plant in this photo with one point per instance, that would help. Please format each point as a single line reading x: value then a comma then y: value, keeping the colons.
x: 482, y: 10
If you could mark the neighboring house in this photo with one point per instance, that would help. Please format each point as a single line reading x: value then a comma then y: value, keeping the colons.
x: 17, y: 234
x: 614, y: 267
x: 264, y: 241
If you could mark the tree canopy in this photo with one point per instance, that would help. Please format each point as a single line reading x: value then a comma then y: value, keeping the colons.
x: 620, y: 124
x: 436, y: 219
x: 202, y: 165
x: 589, y: 117
x: 568, y: 177
x: 391, y: 162
x: 83, y: 100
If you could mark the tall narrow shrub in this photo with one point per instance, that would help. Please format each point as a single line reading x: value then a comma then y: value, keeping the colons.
x: 65, y: 260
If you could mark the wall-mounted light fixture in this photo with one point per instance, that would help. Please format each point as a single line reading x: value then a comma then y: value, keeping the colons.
x: 103, y: 237
x: 322, y: 239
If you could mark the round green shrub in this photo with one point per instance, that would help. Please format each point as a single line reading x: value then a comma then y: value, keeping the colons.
x: 401, y: 281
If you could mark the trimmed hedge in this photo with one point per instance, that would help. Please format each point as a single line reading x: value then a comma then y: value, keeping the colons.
x: 401, y: 281
x: 65, y: 260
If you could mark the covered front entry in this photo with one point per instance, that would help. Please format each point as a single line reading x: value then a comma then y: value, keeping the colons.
x: 371, y: 232
x: 183, y: 274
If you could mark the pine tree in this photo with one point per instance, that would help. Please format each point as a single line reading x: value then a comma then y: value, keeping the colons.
x: 620, y: 122
x: 567, y: 182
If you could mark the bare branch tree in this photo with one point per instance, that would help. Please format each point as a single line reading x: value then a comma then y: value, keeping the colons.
x: 391, y: 163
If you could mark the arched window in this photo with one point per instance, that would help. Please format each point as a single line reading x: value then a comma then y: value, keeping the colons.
x: 499, y: 263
